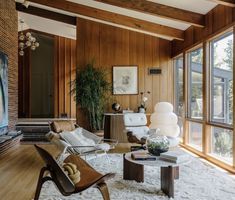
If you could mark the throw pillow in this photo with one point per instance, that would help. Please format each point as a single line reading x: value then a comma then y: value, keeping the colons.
x: 71, y: 170
x: 63, y: 125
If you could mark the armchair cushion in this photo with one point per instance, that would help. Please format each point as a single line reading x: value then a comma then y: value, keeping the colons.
x: 75, y: 138
x: 62, y: 125
x: 135, y: 119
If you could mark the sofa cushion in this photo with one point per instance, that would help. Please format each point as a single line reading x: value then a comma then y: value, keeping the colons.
x: 63, y: 125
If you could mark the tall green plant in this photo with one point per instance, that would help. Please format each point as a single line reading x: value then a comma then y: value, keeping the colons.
x: 91, y: 90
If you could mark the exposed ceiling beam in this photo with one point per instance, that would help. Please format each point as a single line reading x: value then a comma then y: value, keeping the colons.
x: 114, y: 18
x: 230, y: 3
x: 46, y: 14
x: 156, y: 9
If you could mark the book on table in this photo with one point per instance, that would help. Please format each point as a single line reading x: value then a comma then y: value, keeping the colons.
x: 142, y: 156
x: 174, y: 156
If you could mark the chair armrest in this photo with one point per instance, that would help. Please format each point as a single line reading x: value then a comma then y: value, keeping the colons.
x: 112, y: 142
x: 129, y: 133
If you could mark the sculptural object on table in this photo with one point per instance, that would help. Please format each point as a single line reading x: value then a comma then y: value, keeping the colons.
x: 166, y: 120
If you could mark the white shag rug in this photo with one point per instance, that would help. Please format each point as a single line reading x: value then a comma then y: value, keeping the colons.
x: 198, y: 181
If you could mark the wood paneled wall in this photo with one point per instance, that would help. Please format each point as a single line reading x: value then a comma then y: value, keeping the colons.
x: 217, y: 20
x: 109, y: 46
x: 65, y: 72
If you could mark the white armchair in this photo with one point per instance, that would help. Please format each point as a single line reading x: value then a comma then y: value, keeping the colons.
x: 164, y: 119
x: 77, y: 140
x: 136, y: 129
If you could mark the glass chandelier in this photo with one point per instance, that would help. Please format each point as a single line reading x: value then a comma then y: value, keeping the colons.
x: 26, y: 40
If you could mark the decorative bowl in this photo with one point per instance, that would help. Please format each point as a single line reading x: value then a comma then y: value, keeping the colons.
x: 157, y: 145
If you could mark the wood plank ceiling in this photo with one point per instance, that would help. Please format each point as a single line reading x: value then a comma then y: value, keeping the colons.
x: 151, y: 17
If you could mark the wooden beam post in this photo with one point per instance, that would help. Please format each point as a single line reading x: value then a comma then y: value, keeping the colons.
x: 114, y: 19
x: 160, y: 10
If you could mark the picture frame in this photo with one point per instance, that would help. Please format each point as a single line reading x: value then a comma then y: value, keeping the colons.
x: 125, y: 80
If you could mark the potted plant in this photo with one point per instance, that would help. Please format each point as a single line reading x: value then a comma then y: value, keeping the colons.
x: 91, y: 90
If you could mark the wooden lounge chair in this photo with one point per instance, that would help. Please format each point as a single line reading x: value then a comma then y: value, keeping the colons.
x: 89, y: 176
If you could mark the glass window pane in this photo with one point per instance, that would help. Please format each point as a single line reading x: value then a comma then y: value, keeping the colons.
x: 195, y: 135
x: 222, y: 79
x: 222, y: 144
x: 195, y: 94
x: 180, y: 124
x: 178, y: 64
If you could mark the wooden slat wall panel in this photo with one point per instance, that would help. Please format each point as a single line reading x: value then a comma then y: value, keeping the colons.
x: 65, y: 71
x: 217, y: 20
x: 156, y: 79
x: 24, y: 85
x: 148, y: 62
x: 73, y: 75
x: 121, y: 57
x: 136, y: 42
x: 111, y: 46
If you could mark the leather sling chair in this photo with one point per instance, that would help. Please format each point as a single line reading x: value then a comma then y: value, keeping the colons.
x: 88, y: 176
x: 136, y: 129
x: 76, y: 146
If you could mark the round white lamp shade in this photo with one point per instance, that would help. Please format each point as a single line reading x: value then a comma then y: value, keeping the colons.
x: 164, y: 119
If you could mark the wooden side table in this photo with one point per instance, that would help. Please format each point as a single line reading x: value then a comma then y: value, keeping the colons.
x: 134, y: 170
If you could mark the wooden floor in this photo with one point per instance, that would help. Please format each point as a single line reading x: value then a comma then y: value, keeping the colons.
x: 19, y: 170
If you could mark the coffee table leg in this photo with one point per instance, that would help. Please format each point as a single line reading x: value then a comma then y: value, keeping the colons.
x: 168, y: 175
x: 132, y: 171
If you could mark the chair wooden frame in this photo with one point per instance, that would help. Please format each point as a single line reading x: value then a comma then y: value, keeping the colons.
x: 63, y: 182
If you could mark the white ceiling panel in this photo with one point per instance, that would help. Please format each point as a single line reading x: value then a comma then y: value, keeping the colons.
x: 47, y: 26
x: 197, y: 6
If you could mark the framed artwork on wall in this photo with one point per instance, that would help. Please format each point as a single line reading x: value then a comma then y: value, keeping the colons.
x: 3, y: 90
x: 125, y: 80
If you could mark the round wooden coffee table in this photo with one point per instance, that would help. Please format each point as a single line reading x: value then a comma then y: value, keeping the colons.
x: 134, y: 170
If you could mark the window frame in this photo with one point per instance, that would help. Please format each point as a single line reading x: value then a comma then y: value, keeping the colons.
x: 188, y: 79
x: 210, y: 80
x: 176, y: 72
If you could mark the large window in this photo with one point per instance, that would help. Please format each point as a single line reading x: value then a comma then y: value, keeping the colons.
x: 195, y: 94
x: 222, y: 79
x: 206, y: 91
x: 178, y: 66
